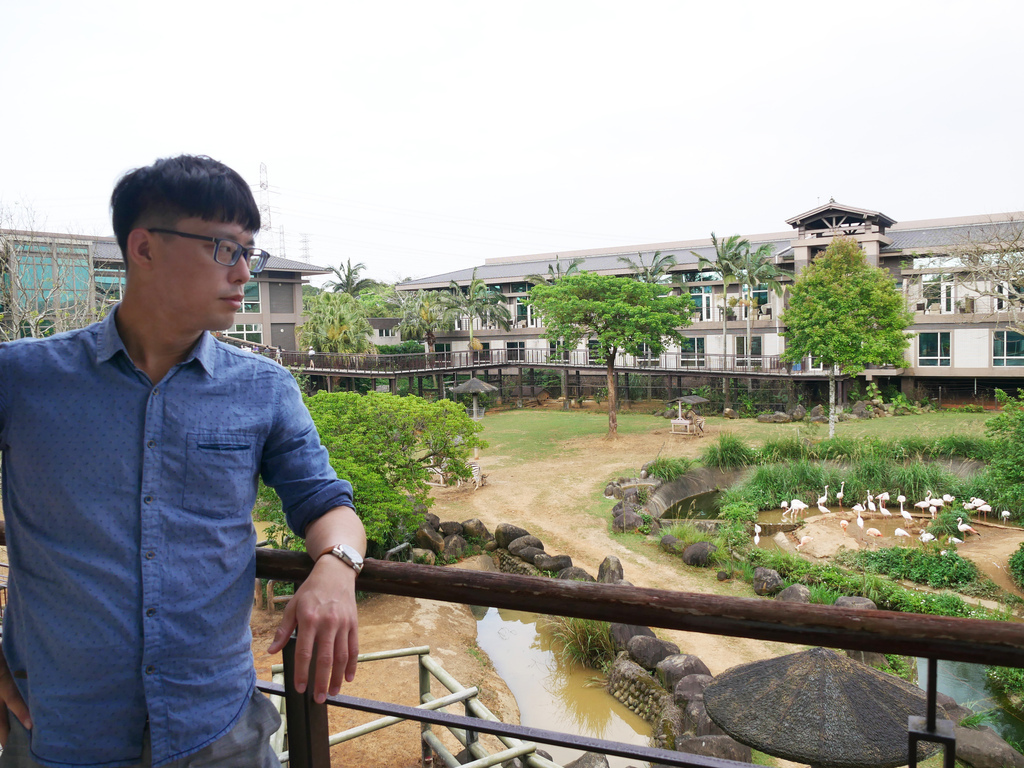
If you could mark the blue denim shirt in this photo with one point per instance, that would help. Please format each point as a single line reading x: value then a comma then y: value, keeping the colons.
x: 130, y: 538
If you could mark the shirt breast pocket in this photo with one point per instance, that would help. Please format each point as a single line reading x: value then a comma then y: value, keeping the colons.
x: 219, y: 472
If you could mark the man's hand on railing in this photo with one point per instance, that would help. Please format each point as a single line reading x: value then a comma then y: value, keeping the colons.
x: 10, y: 703
x: 324, y: 612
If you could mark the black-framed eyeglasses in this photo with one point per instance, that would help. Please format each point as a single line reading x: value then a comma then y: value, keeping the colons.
x: 226, y: 252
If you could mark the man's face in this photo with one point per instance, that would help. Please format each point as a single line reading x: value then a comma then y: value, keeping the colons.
x: 194, y: 291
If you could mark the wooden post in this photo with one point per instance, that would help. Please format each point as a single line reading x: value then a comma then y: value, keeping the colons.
x: 419, y: 386
x: 307, y: 720
x: 519, y: 382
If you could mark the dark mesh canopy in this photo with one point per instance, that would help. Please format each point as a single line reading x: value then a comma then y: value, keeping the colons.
x: 818, y: 707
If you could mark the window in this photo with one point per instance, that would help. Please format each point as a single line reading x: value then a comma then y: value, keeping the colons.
x: 594, y: 354
x: 938, y: 292
x: 389, y: 332
x: 701, y: 295
x: 699, y: 277
x: 520, y: 288
x: 557, y: 351
x: 933, y: 349
x: 516, y: 351
x: 522, y: 313
x: 647, y: 356
x: 247, y: 332
x: 760, y: 297
x: 1007, y: 348
x: 442, y: 347
x: 251, y: 302
x: 741, y: 350
x: 691, y: 351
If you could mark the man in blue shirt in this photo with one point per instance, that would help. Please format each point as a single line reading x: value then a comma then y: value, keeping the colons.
x: 131, y: 453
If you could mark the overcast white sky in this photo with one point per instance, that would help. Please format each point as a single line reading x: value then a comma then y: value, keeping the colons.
x: 421, y: 136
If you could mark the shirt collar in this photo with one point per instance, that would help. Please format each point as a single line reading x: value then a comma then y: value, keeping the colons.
x: 109, y: 343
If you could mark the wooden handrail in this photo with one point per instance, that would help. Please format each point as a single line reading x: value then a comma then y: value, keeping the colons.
x: 939, y: 637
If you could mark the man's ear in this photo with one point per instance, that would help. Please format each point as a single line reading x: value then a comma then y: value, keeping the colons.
x: 140, y: 248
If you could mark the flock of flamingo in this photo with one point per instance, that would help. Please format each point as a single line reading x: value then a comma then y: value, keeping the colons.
x: 876, y: 505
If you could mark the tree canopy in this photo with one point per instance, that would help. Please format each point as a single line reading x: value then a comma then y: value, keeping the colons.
x: 846, y: 314
x: 348, y: 280
x: 477, y: 302
x: 655, y: 272
x: 335, y: 322
x: 618, y: 313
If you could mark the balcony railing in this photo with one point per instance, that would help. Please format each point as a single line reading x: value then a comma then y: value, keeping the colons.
x: 930, y: 637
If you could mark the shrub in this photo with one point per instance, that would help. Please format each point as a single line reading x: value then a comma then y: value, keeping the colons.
x: 583, y: 640
x: 920, y: 566
x: 669, y: 469
x: 1008, y: 681
x: 1017, y: 566
x: 729, y: 452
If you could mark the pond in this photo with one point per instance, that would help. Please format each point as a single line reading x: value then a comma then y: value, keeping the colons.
x: 969, y: 686
x: 552, y: 692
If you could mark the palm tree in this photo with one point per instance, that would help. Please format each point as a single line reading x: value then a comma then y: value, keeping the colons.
x: 336, y: 322
x: 755, y: 269
x: 477, y: 302
x: 555, y: 272
x: 423, y: 314
x: 727, y: 256
x: 348, y: 280
x: 654, y: 272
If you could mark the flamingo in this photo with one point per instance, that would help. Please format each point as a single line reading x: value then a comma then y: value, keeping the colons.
x: 901, y: 532
x: 984, y: 509
x: 839, y: 496
x: 824, y: 510
x: 796, y: 506
x: 804, y: 540
x: 954, y: 540
x: 874, y: 532
x: 860, y: 521
x: 871, y: 502
x: 858, y: 508
x: 757, y: 528
x: 948, y: 499
x: 757, y: 538
x: 885, y: 512
x: 926, y: 537
x: 823, y: 498
x: 785, y: 509
x: 970, y: 505
x: 1005, y: 514
x: 965, y: 527
x: 843, y: 524
x: 882, y: 499
x: 926, y: 503
x: 906, y: 515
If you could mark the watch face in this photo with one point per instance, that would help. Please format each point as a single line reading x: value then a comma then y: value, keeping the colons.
x: 352, y: 554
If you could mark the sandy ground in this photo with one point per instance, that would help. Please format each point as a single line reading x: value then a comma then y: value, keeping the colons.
x: 546, y: 498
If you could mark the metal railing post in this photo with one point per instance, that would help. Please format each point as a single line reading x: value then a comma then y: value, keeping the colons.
x: 426, y: 753
x: 929, y: 728
x: 307, y: 720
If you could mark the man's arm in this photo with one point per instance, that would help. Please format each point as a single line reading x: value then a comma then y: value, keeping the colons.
x: 324, y: 607
x: 10, y: 703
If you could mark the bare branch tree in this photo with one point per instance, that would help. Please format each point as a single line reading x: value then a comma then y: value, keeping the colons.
x: 46, y: 279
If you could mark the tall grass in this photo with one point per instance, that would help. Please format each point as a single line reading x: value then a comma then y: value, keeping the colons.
x: 728, y: 452
x: 669, y: 469
x: 584, y: 640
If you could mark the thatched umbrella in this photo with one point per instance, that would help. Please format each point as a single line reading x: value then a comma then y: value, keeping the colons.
x: 690, y: 400
x: 474, y: 386
x: 818, y: 707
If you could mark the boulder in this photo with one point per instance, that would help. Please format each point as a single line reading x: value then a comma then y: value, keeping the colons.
x: 767, y: 581
x: 475, y: 529
x: 982, y: 748
x: 506, y: 533
x: 673, y: 669
x: 795, y: 593
x: 817, y: 411
x: 699, y: 554
x: 609, y: 490
x: 455, y: 547
x: 764, y: 418
x: 855, y: 601
x: 860, y: 410
x: 610, y: 570
x: 697, y: 721
x: 450, y: 528
x: 432, y: 520
x: 518, y: 545
x: 781, y: 417
x: 953, y: 711
x: 589, y: 760
x: 621, y: 507
x: 713, y: 746
x: 573, y: 573
x: 729, y: 413
x: 427, y: 538
x: 648, y: 652
x: 672, y: 545
x: 627, y: 522
x: 798, y: 413
x: 423, y: 556
x: 690, y: 688
x: 491, y: 545
x: 623, y: 633
x: 529, y: 554
x: 554, y: 563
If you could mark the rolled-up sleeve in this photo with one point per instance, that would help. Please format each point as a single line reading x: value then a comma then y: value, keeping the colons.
x: 296, y: 464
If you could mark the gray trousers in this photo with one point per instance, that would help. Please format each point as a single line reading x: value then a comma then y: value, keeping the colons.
x: 247, y: 745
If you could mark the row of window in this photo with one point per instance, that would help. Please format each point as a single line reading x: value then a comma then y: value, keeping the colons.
x: 935, y: 349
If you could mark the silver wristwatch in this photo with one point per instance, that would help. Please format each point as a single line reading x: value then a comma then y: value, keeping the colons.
x: 349, y: 556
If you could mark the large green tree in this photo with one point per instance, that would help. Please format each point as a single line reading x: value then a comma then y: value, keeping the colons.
x: 755, y: 269
x: 477, y: 302
x: 655, y: 272
x: 847, y: 315
x: 335, y: 322
x: 347, y: 279
x: 726, y: 264
x: 620, y: 314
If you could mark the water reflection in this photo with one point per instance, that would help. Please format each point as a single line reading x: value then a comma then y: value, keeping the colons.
x: 553, y: 693
x: 969, y: 686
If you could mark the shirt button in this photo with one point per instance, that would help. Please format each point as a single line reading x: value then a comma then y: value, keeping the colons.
x: 148, y: 499
x: 155, y: 392
x: 150, y: 669
x: 150, y: 555
x: 151, y: 443
x: 151, y: 612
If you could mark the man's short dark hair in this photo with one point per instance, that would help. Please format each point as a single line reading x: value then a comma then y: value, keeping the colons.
x: 180, y: 187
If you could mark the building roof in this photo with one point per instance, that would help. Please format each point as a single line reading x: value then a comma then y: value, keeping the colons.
x: 289, y: 265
